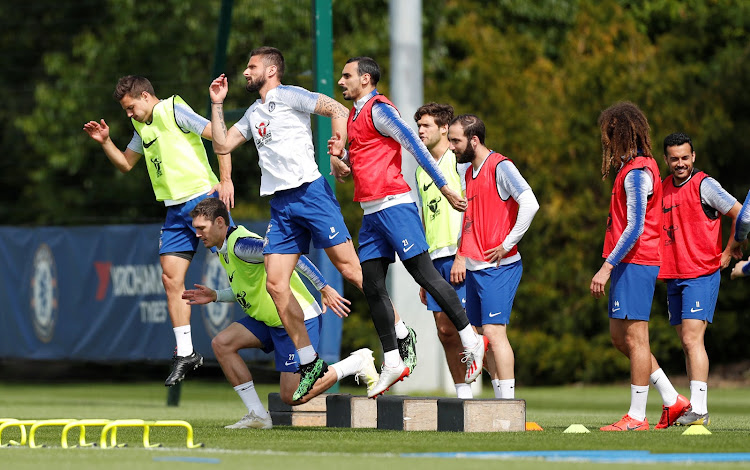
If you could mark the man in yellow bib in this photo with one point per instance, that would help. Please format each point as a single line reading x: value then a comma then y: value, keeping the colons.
x: 241, y: 254
x: 442, y: 226
x: 168, y: 133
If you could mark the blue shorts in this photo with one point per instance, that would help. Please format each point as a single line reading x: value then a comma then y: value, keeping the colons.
x: 277, y: 340
x: 693, y: 299
x: 443, y: 266
x: 394, y: 229
x: 631, y: 291
x: 309, y: 212
x: 177, y: 233
x: 490, y: 293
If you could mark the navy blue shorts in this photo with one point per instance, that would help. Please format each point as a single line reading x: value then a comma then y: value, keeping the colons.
x: 490, y: 293
x: 396, y: 229
x: 278, y: 341
x: 177, y: 233
x: 631, y: 291
x: 443, y: 266
x: 693, y: 299
x: 299, y: 215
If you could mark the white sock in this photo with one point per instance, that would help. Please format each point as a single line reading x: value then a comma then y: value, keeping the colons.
x: 638, y: 399
x: 507, y: 388
x: 401, y: 330
x: 306, y: 355
x: 496, y: 387
x: 699, y: 396
x: 392, y: 358
x: 464, y: 391
x: 251, y: 399
x: 665, y: 388
x: 184, y: 340
x: 347, y: 367
x: 468, y: 337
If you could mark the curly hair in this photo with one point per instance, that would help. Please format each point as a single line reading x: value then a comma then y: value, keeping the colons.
x: 625, y: 133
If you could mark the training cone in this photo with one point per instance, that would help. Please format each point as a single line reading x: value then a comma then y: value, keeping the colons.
x: 695, y: 430
x: 576, y: 429
x: 532, y: 426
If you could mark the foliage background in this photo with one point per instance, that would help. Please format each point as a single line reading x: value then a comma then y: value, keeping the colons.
x: 538, y: 73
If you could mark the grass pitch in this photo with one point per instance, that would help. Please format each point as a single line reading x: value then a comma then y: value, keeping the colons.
x: 209, y: 405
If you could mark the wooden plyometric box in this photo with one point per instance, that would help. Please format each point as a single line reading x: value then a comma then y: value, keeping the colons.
x: 481, y: 415
x: 351, y: 411
x: 407, y: 413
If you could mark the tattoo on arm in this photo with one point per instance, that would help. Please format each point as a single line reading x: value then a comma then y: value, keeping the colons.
x: 327, y: 106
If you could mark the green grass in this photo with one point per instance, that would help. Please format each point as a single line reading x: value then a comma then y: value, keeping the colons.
x: 208, y: 406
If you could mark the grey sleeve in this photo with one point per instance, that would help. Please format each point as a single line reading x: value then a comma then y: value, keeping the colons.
x: 243, y: 125
x: 298, y: 98
x: 189, y: 120
x: 136, y: 144
x: 715, y: 196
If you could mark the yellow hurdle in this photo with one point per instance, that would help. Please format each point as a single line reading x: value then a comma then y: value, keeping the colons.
x: 45, y: 422
x: 21, y: 424
x: 177, y: 423
x: 111, y: 430
x: 82, y: 438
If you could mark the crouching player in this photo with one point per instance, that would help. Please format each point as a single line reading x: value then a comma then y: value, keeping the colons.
x: 241, y: 254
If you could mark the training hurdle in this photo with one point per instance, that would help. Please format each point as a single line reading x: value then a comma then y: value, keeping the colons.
x: 42, y: 423
x: 12, y: 422
x: 351, y: 411
x: 481, y: 415
x: 312, y: 413
x: 82, y: 423
x: 111, y: 429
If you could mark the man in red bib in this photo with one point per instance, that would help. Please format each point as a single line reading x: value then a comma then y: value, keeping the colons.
x: 692, y: 258
x: 391, y: 224
x: 631, y: 249
x: 501, y: 206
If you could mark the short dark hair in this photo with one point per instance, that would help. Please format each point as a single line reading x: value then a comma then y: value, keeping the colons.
x: 367, y: 65
x: 211, y: 208
x: 675, y: 139
x: 473, y: 126
x: 271, y: 56
x: 441, y: 113
x: 132, y: 85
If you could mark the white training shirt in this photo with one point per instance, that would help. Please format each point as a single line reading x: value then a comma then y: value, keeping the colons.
x: 280, y: 128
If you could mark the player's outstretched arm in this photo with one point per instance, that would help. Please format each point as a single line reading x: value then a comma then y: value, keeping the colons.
x: 99, y: 131
x: 454, y: 198
x: 330, y: 298
x: 201, y: 295
x: 328, y: 107
x: 224, y: 141
x: 225, y: 186
x: 340, y: 165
